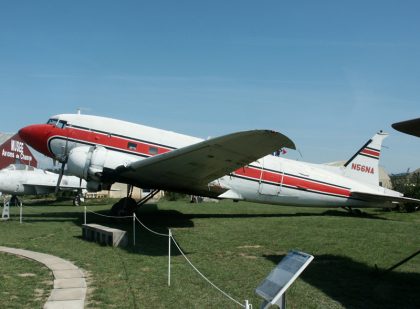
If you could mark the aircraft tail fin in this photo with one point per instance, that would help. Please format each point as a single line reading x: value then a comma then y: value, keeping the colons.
x: 363, y: 166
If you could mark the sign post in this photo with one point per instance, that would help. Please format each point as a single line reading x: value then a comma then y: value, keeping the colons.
x: 169, y: 257
x: 134, y: 229
x: 273, y: 288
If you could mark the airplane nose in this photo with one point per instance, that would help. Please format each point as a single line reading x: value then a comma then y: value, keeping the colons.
x: 36, y: 136
x: 25, y: 133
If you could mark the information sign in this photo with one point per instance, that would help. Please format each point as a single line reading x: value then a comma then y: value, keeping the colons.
x: 280, y: 278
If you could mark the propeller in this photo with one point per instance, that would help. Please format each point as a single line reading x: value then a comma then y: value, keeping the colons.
x: 63, y: 159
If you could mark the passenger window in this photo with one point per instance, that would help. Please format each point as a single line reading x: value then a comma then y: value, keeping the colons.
x: 153, y: 150
x: 132, y: 146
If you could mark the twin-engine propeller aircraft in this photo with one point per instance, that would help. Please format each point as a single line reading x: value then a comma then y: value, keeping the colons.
x: 18, y: 180
x: 234, y: 166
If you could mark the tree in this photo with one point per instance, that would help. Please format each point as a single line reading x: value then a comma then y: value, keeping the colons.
x: 409, y: 185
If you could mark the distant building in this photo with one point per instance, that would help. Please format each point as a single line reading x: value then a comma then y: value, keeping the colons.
x: 119, y: 190
x: 14, y: 151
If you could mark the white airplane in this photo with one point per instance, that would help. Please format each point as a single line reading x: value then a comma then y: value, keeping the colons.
x: 234, y: 166
x: 19, y: 180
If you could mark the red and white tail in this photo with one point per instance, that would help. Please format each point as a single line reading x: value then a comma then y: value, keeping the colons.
x: 364, y: 165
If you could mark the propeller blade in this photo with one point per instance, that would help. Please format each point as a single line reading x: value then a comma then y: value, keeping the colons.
x: 64, y: 158
x: 60, y: 176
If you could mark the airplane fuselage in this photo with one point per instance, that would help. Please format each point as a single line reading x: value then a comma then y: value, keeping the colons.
x: 27, y: 180
x: 270, y: 179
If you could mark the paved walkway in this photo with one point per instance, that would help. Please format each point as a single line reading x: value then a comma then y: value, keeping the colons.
x: 69, y: 281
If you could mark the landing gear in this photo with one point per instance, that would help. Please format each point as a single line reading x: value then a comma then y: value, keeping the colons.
x: 127, y: 205
x: 77, y: 200
x: 124, y: 207
x: 196, y: 199
x: 15, y: 201
x: 356, y: 212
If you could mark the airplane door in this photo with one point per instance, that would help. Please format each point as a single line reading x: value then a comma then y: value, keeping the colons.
x: 272, y: 175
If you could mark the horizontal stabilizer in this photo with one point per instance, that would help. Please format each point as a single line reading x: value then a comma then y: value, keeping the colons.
x: 380, y: 198
x: 230, y: 194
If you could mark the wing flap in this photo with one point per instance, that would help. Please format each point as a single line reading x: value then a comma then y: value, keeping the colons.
x: 196, y: 165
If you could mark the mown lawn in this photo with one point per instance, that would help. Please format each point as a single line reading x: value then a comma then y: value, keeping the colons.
x: 235, y: 245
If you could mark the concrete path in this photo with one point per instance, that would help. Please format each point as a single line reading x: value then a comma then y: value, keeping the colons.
x: 69, y: 281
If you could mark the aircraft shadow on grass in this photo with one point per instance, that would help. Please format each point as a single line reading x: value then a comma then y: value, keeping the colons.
x: 332, y: 213
x: 356, y: 285
x: 147, y: 243
x: 156, y: 219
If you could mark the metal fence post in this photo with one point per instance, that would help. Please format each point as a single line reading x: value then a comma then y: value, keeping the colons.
x: 134, y: 229
x: 169, y: 257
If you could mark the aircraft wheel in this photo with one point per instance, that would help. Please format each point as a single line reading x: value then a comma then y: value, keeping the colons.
x: 130, y: 205
x: 410, y: 208
x: 124, y: 207
x: 76, y: 201
x: 116, y: 209
x: 14, y: 201
x: 357, y: 212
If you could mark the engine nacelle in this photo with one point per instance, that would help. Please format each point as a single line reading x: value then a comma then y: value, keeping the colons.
x: 87, y: 162
x: 93, y: 186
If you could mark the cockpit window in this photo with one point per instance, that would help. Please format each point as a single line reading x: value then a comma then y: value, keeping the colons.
x: 52, y: 121
x: 58, y: 123
x: 61, y: 124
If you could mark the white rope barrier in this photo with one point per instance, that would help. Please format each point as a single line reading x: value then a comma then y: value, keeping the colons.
x: 189, y: 262
x: 169, y: 257
x: 170, y: 236
x: 151, y: 231
x: 117, y: 217
x: 204, y: 277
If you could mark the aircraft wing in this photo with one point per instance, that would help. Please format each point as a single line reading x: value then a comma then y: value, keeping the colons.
x: 51, y: 182
x: 380, y: 198
x: 409, y: 126
x: 192, y: 167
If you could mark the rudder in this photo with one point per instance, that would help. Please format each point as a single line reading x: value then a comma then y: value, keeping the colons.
x: 363, y: 166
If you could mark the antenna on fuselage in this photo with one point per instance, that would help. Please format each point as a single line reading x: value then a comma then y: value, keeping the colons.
x: 81, y: 109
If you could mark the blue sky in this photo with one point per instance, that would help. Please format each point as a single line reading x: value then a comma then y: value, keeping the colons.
x: 329, y: 74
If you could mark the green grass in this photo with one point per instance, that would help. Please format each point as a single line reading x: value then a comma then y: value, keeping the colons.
x: 235, y: 245
x: 16, y: 275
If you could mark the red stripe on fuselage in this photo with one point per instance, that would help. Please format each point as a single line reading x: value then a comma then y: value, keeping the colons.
x: 109, y: 140
x: 275, y: 178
